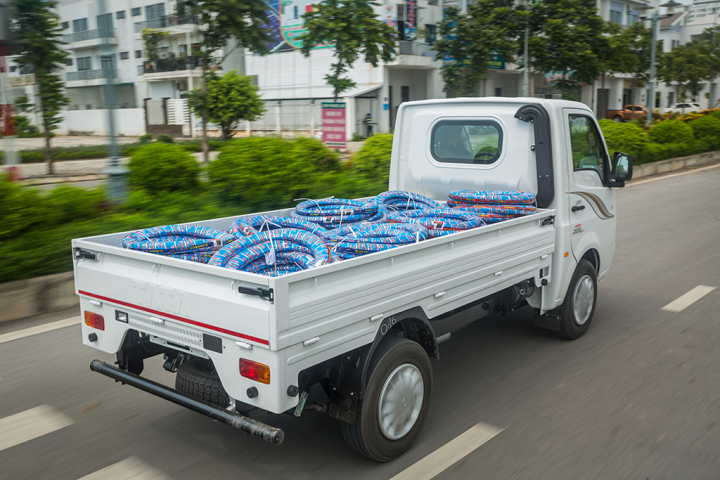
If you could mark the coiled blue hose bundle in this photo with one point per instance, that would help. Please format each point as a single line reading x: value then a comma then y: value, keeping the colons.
x: 396, y: 200
x: 250, y: 252
x: 473, y: 197
x: 356, y: 240
x: 337, y: 212
x: 188, y: 242
x: 438, y: 221
x: 493, y: 207
x: 264, y: 223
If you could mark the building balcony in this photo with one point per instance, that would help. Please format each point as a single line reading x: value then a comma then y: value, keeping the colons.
x: 90, y: 38
x: 90, y: 75
x: 414, y: 55
x: 170, y: 65
x: 169, y: 22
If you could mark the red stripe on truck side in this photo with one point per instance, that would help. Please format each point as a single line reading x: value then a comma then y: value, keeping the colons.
x: 175, y: 317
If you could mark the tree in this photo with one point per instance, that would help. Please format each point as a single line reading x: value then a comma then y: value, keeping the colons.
x: 689, y: 66
x: 469, y: 41
x: 243, y: 20
x: 629, y: 53
x: 567, y: 37
x: 37, y: 33
x: 230, y: 99
x: 151, y: 40
x: 354, y: 29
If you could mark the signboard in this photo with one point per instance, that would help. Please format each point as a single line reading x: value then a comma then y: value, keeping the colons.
x: 553, y: 76
x: 20, y: 80
x: 389, y: 15
x: 410, y: 19
x: 285, y: 23
x: 497, y: 63
x: 333, y: 124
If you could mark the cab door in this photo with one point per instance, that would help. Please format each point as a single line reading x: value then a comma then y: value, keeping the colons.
x: 591, y: 203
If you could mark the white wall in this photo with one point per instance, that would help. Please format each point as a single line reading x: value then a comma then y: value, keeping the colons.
x: 128, y: 121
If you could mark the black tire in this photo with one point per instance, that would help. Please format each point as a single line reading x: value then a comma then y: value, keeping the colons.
x: 572, y: 327
x: 198, y: 379
x: 366, y: 436
x: 617, y: 118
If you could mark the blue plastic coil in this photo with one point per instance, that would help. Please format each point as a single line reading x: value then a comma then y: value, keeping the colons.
x: 396, y: 200
x: 357, y: 240
x: 188, y: 242
x: 438, y: 220
x: 248, y: 253
x: 473, y: 197
x: 264, y: 223
x: 337, y: 212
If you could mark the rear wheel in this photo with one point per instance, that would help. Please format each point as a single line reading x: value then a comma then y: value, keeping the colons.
x: 579, y: 306
x: 397, y: 399
x: 198, y: 379
x: 617, y: 118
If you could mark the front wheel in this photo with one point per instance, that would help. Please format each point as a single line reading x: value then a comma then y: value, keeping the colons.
x: 397, y: 399
x: 579, y: 306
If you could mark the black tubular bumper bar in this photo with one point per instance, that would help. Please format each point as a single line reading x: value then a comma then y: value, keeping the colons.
x: 238, y: 422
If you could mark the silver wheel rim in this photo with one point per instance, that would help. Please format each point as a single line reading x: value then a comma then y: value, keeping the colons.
x: 583, y: 299
x: 400, y: 401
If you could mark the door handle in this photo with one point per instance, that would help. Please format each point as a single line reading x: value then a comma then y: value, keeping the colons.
x: 577, y: 208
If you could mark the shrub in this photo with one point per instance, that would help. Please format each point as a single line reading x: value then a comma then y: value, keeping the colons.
x: 264, y: 173
x: 159, y: 168
x: 371, y: 164
x: 625, y: 137
x: 165, y: 138
x: 145, y: 138
x: 604, y: 122
x: 707, y: 126
x: 25, y: 129
x: 671, y: 131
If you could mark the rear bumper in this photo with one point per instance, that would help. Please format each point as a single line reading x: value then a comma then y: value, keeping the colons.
x: 238, y: 422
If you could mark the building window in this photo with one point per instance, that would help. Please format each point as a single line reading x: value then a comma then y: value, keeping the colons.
x: 69, y: 62
x: 616, y: 13
x: 431, y: 34
x: 138, y: 53
x: 633, y: 16
x: 120, y: 15
x: 153, y: 12
x: 136, y: 12
x: 80, y: 25
x: 674, y: 43
x: 124, y: 55
x: 65, y: 24
x: 107, y: 61
x: 105, y: 21
x: 13, y: 68
x: 84, y: 63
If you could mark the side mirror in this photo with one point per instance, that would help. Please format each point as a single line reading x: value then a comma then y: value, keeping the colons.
x: 622, y: 167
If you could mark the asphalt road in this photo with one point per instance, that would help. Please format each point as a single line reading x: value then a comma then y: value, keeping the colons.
x: 638, y: 397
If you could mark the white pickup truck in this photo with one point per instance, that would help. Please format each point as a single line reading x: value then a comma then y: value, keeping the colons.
x: 365, y: 329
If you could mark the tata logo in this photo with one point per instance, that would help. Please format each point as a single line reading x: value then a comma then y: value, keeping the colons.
x: 161, y: 298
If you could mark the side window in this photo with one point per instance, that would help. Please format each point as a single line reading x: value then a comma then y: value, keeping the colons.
x: 466, y: 141
x: 587, y: 151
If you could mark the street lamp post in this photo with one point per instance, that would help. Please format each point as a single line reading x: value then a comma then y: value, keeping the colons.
x: 117, y: 174
x: 654, y: 21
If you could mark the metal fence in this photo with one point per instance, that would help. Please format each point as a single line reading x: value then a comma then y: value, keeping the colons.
x: 416, y: 48
x: 165, y: 22
x: 89, y: 35
x: 91, y: 74
x: 170, y: 65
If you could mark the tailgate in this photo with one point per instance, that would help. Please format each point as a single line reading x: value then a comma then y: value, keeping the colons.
x: 188, y: 304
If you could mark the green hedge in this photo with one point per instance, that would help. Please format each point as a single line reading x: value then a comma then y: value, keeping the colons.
x: 671, y: 131
x: 162, y: 167
x: 101, y: 151
x: 624, y: 137
x: 704, y: 127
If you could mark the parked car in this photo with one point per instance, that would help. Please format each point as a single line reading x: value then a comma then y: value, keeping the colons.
x: 626, y: 114
x: 683, y: 108
x: 365, y: 328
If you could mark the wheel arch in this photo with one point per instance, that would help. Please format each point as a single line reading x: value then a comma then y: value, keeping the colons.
x: 592, y: 256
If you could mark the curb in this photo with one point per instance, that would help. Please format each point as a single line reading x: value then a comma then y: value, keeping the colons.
x: 674, y: 164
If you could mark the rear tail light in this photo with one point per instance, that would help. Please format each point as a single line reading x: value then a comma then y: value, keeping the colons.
x: 95, y: 320
x: 255, y: 371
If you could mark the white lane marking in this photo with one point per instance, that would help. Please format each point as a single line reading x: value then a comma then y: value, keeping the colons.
x: 688, y: 299
x: 30, y: 424
x: 48, y: 327
x: 130, y: 468
x: 450, y: 453
x: 663, y: 177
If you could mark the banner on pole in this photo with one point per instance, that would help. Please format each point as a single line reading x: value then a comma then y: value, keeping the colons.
x: 410, y: 20
x: 333, y: 124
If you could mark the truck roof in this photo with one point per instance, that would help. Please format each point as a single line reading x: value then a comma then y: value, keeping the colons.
x: 549, y: 104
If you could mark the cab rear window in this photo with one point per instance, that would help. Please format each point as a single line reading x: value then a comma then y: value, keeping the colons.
x: 466, y: 141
